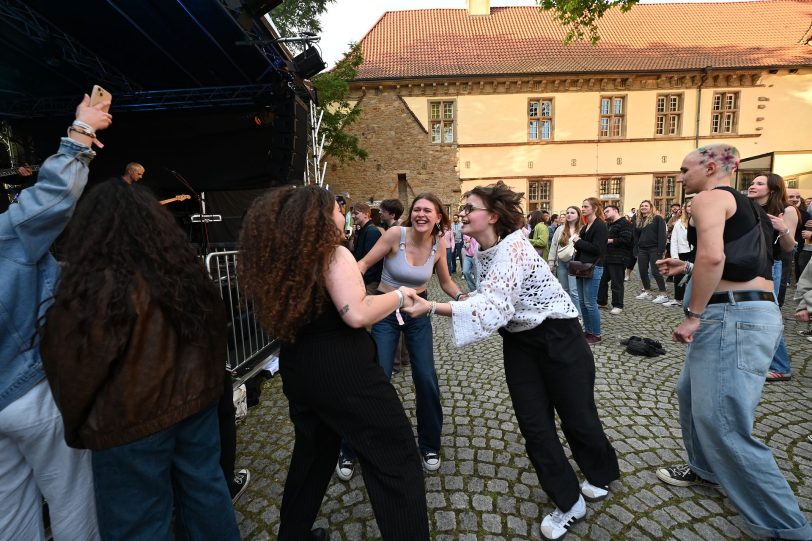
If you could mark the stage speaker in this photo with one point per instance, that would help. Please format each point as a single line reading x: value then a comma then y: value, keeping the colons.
x: 308, y: 63
x: 258, y: 8
x: 288, y: 153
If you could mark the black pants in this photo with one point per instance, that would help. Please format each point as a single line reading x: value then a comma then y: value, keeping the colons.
x: 336, y: 390
x: 646, y: 260
x: 679, y: 290
x: 615, y: 273
x: 549, y: 370
x: 228, y: 432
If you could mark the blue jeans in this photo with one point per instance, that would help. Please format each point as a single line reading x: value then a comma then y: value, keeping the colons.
x: 569, y: 283
x: 136, y: 482
x: 420, y: 344
x: 780, y: 361
x: 588, y: 295
x: 449, y: 256
x: 469, y: 272
x: 719, y: 390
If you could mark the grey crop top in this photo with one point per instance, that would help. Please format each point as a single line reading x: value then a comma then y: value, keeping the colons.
x: 398, y: 272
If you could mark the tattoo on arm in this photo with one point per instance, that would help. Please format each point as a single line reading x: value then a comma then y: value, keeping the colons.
x: 344, y: 310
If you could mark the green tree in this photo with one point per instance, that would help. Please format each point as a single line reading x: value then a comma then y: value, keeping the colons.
x: 333, y: 90
x: 292, y: 17
x: 580, y: 17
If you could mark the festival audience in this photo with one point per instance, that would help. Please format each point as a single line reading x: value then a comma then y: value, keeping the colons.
x: 549, y: 367
x: 36, y: 462
x: 327, y: 361
x: 590, y: 248
x: 769, y: 191
x: 561, y: 252
x: 133, y: 348
x: 649, y: 238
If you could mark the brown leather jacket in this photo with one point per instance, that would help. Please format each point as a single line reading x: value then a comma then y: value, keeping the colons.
x: 114, y: 390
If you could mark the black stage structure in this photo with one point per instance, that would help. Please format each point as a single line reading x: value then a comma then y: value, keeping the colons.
x: 204, y: 96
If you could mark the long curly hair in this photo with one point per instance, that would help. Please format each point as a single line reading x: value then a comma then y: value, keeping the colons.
x: 119, y: 234
x: 287, y: 241
x: 504, y: 202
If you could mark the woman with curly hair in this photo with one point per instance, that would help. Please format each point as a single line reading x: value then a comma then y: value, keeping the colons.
x: 309, y: 293
x: 410, y: 253
x: 134, y: 347
x: 549, y: 367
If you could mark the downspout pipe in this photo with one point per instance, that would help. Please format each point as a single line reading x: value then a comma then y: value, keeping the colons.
x: 703, y: 78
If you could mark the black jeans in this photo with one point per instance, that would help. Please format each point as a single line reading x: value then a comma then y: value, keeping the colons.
x: 615, y: 273
x: 336, y: 390
x: 679, y: 290
x: 549, y: 370
x: 646, y: 258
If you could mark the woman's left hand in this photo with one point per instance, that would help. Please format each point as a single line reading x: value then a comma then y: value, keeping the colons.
x: 778, y: 222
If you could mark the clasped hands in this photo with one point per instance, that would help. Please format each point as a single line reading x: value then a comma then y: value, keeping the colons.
x: 413, y: 304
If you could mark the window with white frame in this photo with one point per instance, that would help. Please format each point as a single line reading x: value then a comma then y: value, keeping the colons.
x: 540, y: 119
x: 725, y: 112
x: 665, y: 192
x: 610, y: 191
x: 613, y: 116
x: 538, y: 194
x: 441, y: 121
x: 669, y: 114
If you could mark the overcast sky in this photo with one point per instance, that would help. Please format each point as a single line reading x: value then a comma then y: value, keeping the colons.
x: 347, y: 21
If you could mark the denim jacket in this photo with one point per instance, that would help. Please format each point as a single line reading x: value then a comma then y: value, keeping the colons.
x: 28, y: 272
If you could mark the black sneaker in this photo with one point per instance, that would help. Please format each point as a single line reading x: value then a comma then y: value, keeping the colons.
x: 683, y: 476
x: 345, y: 467
x: 239, y: 485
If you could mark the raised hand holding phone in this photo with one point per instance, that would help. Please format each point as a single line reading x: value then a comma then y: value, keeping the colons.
x: 89, y: 119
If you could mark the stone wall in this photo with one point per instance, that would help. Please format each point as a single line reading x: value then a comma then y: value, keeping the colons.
x: 397, y: 144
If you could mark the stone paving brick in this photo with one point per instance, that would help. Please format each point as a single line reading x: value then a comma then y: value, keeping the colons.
x: 487, y: 489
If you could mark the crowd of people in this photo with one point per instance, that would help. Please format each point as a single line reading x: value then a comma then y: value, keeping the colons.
x: 112, y: 363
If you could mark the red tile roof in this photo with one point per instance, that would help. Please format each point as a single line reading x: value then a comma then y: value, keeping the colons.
x: 650, y: 37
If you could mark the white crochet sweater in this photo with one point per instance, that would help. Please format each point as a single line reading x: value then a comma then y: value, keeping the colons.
x: 516, y: 291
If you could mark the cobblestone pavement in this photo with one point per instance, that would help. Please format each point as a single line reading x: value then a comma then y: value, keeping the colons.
x: 487, y: 489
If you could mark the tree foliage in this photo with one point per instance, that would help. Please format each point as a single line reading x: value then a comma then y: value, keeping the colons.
x: 333, y: 90
x: 292, y: 17
x: 580, y: 17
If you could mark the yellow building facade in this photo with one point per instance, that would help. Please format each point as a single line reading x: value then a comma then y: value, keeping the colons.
x: 617, y: 134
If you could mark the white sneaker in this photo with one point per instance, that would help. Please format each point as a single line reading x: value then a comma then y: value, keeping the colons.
x: 615, y: 311
x: 345, y: 468
x: 645, y: 296
x: 660, y: 299
x: 431, y: 460
x: 592, y: 493
x: 672, y: 303
x: 556, y: 524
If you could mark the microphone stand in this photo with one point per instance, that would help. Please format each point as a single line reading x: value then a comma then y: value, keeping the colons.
x: 202, y: 217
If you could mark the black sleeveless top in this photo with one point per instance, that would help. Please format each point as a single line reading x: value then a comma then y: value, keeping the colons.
x: 736, y: 227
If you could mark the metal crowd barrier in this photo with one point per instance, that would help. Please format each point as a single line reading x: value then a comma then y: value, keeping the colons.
x: 249, y: 348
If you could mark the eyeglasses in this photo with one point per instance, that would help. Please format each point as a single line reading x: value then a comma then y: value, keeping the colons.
x: 469, y: 208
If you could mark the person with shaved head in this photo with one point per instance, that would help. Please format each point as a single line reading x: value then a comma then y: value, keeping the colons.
x: 733, y: 326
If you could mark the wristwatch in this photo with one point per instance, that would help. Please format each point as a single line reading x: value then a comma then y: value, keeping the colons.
x: 694, y: 315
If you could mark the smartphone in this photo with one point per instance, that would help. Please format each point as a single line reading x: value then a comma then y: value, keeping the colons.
x: 98, y: 95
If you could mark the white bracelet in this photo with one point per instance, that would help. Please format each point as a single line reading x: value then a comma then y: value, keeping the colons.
x: 84, y: 125
x: 400, y: 299
x: 689, y: 268
x: 433, y: 308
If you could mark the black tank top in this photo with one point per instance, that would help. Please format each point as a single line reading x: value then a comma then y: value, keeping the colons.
x: 736, y: 227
